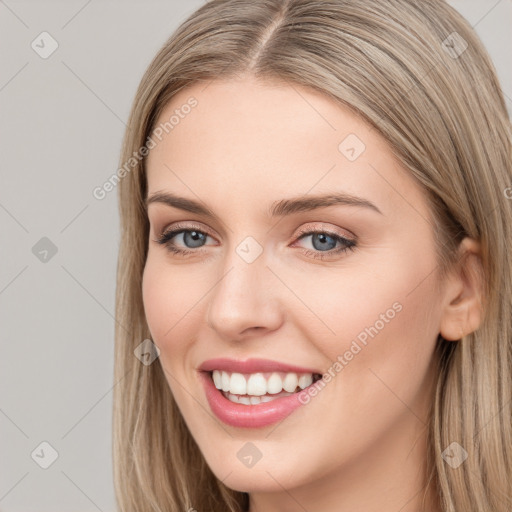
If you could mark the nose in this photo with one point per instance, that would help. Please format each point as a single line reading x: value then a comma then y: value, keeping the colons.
x: 244, y: 301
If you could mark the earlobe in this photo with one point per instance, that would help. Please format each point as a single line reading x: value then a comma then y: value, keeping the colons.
x: 463, y: 311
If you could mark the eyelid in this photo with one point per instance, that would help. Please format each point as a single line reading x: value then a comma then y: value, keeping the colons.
x: 307, y: 229
x: 323, y: 227
x: 185, y: 226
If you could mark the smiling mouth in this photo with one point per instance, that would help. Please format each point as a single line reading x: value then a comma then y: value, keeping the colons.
x: 260, y: 387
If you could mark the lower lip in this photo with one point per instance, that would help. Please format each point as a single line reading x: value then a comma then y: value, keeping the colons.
x: 248, y: 416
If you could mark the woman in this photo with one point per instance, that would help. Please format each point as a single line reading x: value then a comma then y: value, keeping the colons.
x: 314, y: 290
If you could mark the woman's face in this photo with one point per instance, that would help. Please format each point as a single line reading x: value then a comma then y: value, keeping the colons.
x: 280, y: 287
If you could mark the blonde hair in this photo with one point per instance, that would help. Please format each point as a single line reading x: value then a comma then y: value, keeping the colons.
x: 441, y: 109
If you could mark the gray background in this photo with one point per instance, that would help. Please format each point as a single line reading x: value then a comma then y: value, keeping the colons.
x: 62, y: 121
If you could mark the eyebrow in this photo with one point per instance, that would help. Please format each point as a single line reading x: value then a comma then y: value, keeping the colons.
x: 279, y: 208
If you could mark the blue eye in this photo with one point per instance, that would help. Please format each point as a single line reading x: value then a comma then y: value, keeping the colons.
x: 322, y: 239
x: 324, y: 243
x: 194, y: 237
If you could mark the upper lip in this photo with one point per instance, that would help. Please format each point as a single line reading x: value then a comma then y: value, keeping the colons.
x: 252, y: 366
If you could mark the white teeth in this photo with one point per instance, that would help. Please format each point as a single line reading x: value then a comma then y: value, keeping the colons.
x: 253, y: 400
x: 305, y: 380
x: 260, y: 384
x: 217, y: 379
x: 274, y: 384
x: 225, y: 381
x: 290, y: 382
x: 237, y: 384
x: 257, y: 385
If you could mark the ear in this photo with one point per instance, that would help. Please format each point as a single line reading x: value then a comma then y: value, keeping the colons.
x: 462, y: 302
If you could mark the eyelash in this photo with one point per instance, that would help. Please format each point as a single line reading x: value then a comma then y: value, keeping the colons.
x: 165, y: 239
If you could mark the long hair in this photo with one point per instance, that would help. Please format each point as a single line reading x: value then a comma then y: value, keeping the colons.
x: 420, y: 76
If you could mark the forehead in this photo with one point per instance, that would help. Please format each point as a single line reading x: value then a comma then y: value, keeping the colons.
x: 254, y: 142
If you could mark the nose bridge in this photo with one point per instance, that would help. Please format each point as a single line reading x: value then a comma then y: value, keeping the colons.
x: 241, y: 298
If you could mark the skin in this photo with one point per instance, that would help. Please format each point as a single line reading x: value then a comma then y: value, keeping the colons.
x: 360, y: 443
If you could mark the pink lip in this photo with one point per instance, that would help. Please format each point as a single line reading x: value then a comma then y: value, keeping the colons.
x: 249, y: 416
x: 252, y: 366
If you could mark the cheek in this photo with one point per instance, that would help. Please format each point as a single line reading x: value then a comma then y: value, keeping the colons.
x: 168, y: 302
x: 168, y: 306
x: 379, y: 325
x: 384, y: 334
